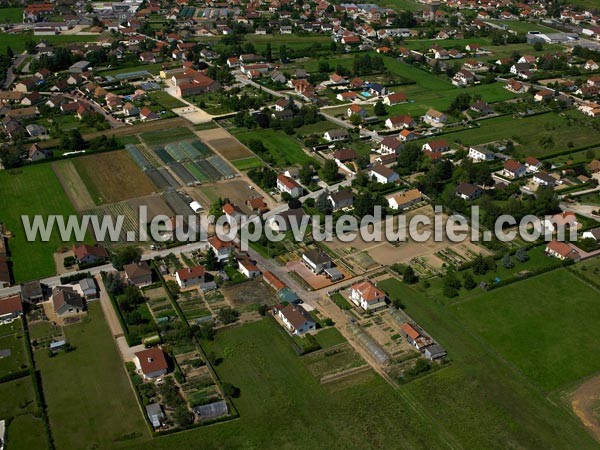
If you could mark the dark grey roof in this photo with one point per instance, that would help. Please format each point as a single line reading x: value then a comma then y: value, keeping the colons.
x: 317, y: 256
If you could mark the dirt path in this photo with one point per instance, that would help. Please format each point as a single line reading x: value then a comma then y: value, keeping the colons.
x: 109, y: 312
x: 583, y: 401
x: 73, y: 185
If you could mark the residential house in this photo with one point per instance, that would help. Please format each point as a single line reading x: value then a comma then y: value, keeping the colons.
x: 89, y: 254
x: 439, y: 145
x: 257, y: 205
x: 356, y: 110
x: 272, y: 280
x: 344, y: 155
x: 468, y: 191
x: 532, y: 164
x: 463, y: 78
x: 35, y: 153
x: 336, y: 135
x: 480, y: 154
x: 543, y: 179
x: 481, y: 107
x: 289, y: 186
x: 151, y: 363
x: 138, y: 274
x: 407, y: 135
x: 543, y: 95
x: 233, y: 213
x: 367, y: 296
x: 591, y: 234
x: 316, y: 260
x: 390, y: 145
x: 515, y: 86
x: 10, y: 308
x: 285, y: 220
x: 395, y: 99
x: 348, y: 96
x: 402, y: 121
x: 383, y: 174
x: 67, y: 301
x: 248, y: 268
x: 404, y: 199
x: 190, y: 276
x: 341, y: 199
x: 33, y: 292
x: 435, y: 118
x: 223, y: 249
x: 513, y: 169
x: 562, y: 251
x: 296, y: 319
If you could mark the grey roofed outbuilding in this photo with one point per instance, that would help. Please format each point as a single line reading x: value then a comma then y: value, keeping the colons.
x: 57, y: 344
x: 155, y: 414
x: 87, y: 283
x: 5, y: 353
x: 79, y: 67
x: 287, y: 295
x: 212, y: 410
x: 434, y: 351
x: 334, y: 273
x: 32, y: 291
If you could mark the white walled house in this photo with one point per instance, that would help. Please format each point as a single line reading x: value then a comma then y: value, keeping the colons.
x: 383, y: 174
x: 367, y: 296
x: 190, y: 276
x: 289, y: 185
x: 296, y: 319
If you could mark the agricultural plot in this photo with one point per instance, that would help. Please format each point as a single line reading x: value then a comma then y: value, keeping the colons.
x: 208, y: 169
x: 458, y: 396
x: 230, y: 148
x: 196, y: 171
x: 164, y: 137
x: 177, y: 203
x: 182, y: 173
x: 275, y: 141
x: 138, y: 157
x: 221, y: 166
x: 12, y: 350
x: 113, y: 177
x: 30, y: 191
x: 73, y: 185
x: 561, y: 325
x: 130, y: 222
x: 248, y: 163
x: 182, y: 150
x: 164, y: 155
x: 160, y: 305
x: 162, y: 179
x: 154, y: 204
x: 326, y: 363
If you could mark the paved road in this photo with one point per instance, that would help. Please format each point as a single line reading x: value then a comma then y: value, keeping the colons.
x: 10, y: 73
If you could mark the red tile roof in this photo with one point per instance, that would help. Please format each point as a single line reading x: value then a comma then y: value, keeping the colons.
x: 191, y: 273
x: 11, y: 305
x: 152, y: 360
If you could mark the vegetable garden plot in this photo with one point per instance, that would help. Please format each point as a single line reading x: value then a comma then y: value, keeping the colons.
x: 221, y: 166
x: 209, y: 169
x: 164, y: 155
x: 202, y: 148
x: 195, y: 170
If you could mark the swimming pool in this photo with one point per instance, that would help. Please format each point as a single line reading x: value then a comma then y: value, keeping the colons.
x: 365, y: 94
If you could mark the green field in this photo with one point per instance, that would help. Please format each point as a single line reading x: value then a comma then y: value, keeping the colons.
x: 153, y: 68
x: 11, y: 338
x: 423, y: 78
x: 485, y: 400
x: 31, y: 191
x: 17, y: 406
x: 329, y: 337
x: 247, y: 163
x: 289, y: 40
x: 89, y: 385
x: 524, y: 27
x: 11, y: 15
x: 528, y: 131
x: 165, y: 100
x: 278, y: 392
x: 17, y: 41
x: 164, y: 137
x: 284, y: 149
x: 549, y: 334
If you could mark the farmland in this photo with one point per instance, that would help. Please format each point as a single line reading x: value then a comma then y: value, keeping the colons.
x: 540, y: 334
x: 112, y: 177
x: 11, y: 338
x: 12, y: 15
x: 276, y: 141
x: 278, y: 391
x: 460, y: 396
x: 31, y: 191
x: 25, y: 428
x: 163, y: 137
x: 98, y: 392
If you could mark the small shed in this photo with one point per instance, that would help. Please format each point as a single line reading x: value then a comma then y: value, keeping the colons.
x: 212, y: 410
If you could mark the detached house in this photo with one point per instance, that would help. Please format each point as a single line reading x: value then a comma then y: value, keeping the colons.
x: 138, y: 274
x: 289, y: 186
x: 67, y: 301
x: 223, y: 249
x: 480, y: 154
x: 513, y: 169
x: 10, y: 308
x: 403, y: 121
x: 336, y: 135
x: 190, y: 276
x: 383, y: 174
x: 395, y: 99
x: 367, y: 296
x: 341, y: 199
x: 404, y: 199
x: 439, y: 145
x: 543, y: 179
x: 151, y: 363
x: 390, y: 146
x: 248, y: 268
x: 89, y: 254
x: 316, y: 260
x: 562, y: 251
x: 468, y: 191
x: 435, y: 118
x: 296, y: 319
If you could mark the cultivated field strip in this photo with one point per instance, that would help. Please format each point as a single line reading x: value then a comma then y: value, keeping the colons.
x: 176, y: 203
x: 138, y: 157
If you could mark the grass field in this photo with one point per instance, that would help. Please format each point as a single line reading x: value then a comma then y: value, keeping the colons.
x: 289, y: 40
x: 153, y: 68
x: 247, y: 163
x: 163, y: 137
x: 284, y: 149
x: 482, y: 398
x: 11, y: 338
x: 529, y: 130
x: 548, y: 334
x: 424, y: 79
x: 278, y: 392
x: 11, y: 15
x: 31, y: 191
x: 165, y: 100
x: 17, y: 41
x: 17, y: 406
x: 113, y: 177
x: 524, y: 27
x: 89, y: 384
x: 329, y: 337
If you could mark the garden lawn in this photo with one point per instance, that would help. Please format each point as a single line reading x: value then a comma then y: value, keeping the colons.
x: 425, y: 79
x: 17, y: 41
x: 31, y: 191
x: 284, y: 149
x: 17, y: 406
x: 485, y: 400
x: 329, y: 337
x: 247, y: 163
x: 11, y: 338
x: 89, y: 385
x: 549, y: 333
x: 279, y: 393
x: 165, y: 100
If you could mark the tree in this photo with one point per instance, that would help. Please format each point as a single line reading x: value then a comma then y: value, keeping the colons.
x: 409, y: 276
x: 355, y: 119
x: 469, y: 281
x: 294, y: 204
x: 479, y: 265
x: 211, y: 262
x: 521, y: 255
x: 125, y: 255
x: 305, y: 174
x: 538, y: 46
x: 451, y: 283
x: 230, y: 390
x: 322, y: 204
x: 329, y: 171
x: 9, y: 52
x: 507, y: 261
x: 227, y: 315
x: 379, y: 109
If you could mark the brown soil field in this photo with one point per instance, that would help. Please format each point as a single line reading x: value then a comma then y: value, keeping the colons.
x: 249, y: 292
x: 156, y: 205
x: 585, y: 401
x: 73, y: 185
x: 113, y: 177
x: 230, y: 148
x: 237, y: 191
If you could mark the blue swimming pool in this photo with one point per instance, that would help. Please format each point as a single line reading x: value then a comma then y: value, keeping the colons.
x: 365, y: 94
